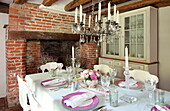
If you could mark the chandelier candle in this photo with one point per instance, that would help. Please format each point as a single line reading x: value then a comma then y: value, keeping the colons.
x: 84, y: 20
x: 76, y: 15
x: 99, y: 11
x: 114, y: 12
x: 109, y: 11
x: 80, y: 13
x: 96, y: 19
x: 89, y: 20
x: 117, y: 18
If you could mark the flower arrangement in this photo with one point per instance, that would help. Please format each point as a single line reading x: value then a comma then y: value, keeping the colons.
x: 90, y: 75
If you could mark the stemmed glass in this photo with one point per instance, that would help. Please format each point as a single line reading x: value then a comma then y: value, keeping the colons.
x: 113, y: 74
x: 78, y: 64
x: 69, y: 70
x: 105, y: 81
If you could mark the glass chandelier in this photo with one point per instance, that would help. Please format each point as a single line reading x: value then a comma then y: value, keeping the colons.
x: 99, y: 32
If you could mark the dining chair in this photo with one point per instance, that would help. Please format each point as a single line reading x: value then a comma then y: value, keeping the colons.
x: 23, y: 94
x: 102, y: 68
x: 51, y: 65
x: 34, y: 104
x: 140, y: 75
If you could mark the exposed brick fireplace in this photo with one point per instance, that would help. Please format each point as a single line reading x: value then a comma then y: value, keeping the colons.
x: 28, y: 26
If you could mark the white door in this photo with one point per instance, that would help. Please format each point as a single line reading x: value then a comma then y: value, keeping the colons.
x: 3, y: 21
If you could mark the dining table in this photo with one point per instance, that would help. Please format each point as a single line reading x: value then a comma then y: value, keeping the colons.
x: 50, y: 98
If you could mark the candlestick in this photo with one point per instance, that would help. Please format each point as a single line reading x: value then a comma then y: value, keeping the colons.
x: 76, y: 15
x: 89, y: 20
x: 126, y: 57
x: 109, y: 11
x: 80, y: 13
x: 117, y: 18
x: 84, y: 20
x: 114, y: 12
x: 99, y: 11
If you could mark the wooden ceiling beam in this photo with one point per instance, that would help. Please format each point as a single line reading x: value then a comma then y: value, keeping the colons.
x: 48, y: 2
x: 104, y: 5
x: 136, y: 5
x: 20, y: 1
x: 76, y: 3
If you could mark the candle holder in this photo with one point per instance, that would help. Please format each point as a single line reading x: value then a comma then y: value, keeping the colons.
x: 98, y: 27
x: 127, y: 97
x: 126, y: 74
x: 73, y: 65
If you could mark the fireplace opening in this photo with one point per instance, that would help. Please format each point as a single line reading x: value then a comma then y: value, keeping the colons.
x: 57, y: 51
x: 43, y: 51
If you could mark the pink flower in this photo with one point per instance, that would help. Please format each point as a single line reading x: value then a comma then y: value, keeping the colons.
x: 82, y: 75
x: 91, y: 72
x: 93, y: 77
x: 86, y: 71
x: 87, y: 75
x: 98, y: 74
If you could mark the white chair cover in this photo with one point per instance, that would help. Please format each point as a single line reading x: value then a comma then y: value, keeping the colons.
x: 22, y: 94
x: 51, y: 65
x: 102, y: 68
x: 141, y: 75
x: 24, y: 90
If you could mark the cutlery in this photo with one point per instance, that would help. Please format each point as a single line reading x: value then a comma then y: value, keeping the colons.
x: 54, y: 89
x: 99, y: 108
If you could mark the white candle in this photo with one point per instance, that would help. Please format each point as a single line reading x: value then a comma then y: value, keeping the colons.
x: 80, y: 13
x: 126, y: 57
x: 76, y: 15
x: 73, y: 52
x: 89, y: 20
x: 109, y: 11
x: 84, y: 20
x: 96, y: 19
x: 114, y: 12
x: 117, y: 18
x: 99, y: 11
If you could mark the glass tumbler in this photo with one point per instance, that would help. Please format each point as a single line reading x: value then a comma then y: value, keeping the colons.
x: 161, y: 95
x: 113, y: 97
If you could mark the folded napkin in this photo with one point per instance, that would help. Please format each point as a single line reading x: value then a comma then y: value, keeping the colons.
x: 79, y: 100
x: 53, y: 82
x: 162, y: 108
x: 131, y: 83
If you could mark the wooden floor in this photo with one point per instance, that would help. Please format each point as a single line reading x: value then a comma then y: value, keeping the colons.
x: 4, y: 107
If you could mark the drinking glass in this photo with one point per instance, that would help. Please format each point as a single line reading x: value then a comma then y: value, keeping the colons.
x: 113, y: 74
x: 150, y: 87
x: 77, y: 67
x: 105, y: 81
x: 69, y: 70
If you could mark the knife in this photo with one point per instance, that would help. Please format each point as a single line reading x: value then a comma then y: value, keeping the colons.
x: 99, y: 108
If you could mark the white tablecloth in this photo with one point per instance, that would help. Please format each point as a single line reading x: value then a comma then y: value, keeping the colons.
x: 51, y: 100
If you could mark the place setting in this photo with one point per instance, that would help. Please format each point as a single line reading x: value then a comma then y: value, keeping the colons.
x: 80, y: 101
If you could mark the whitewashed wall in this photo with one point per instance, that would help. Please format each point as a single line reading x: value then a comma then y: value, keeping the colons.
x: 164, y: 47
x: 3, y: 20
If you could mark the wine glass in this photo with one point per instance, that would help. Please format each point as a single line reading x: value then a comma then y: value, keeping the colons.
x: 69, y: 70
x: 113, y: 74
x: 78, y: 64
x: 105, y: 81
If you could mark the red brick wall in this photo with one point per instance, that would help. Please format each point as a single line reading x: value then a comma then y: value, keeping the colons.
x: 33, y: 57
x: 16, y: 62
x: 88, y: 55
x: 29, y: 17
